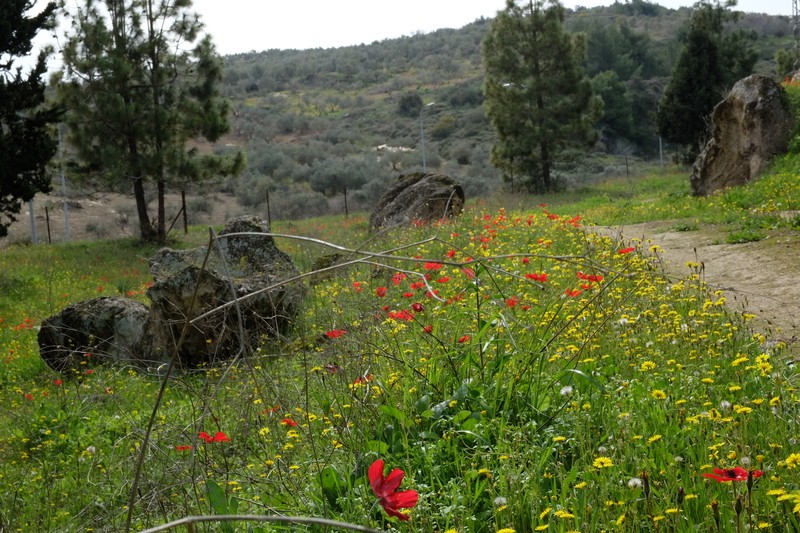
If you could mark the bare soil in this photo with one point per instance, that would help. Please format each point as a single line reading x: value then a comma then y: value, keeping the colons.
x: 761, y: 278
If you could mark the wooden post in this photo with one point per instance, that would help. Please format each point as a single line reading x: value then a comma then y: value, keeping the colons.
x: 47, y: 219
x: 346, y: 212
x: 183, y: 208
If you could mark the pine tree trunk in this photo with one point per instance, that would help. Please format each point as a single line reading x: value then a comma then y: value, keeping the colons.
x: 145, y: 228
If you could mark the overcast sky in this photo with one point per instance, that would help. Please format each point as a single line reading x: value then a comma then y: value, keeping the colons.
x: 245, y: 25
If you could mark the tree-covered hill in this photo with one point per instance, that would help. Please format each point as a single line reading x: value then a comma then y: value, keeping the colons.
x: 312, y: 121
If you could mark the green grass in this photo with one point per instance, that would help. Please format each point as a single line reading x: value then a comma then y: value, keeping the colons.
x: 592, y: 400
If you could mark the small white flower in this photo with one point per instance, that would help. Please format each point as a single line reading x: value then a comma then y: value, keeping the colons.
x: 724, y: 405
x: 500, y: 501
x: 566, y: 390
x: 91, y: 450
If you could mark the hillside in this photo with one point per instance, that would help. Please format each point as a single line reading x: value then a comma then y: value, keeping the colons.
x: 315, y: 122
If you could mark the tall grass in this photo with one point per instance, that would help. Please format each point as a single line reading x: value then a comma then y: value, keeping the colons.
x: 524, y: 372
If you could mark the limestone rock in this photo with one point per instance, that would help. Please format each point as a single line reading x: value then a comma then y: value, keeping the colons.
x: 246, y: 265
x: 749, y: 127
x: 418, y: 197
x: 97, y: 331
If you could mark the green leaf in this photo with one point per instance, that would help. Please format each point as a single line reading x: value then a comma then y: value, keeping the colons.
x: 393, y: 412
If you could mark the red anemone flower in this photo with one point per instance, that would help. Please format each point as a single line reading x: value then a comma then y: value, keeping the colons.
x: 289, y: 422
x: 334, y: 333
x: 381, y: 292
x: 732, y: 474
x: 183, y: 447
x: 385, y: 488
x: 624, y: 251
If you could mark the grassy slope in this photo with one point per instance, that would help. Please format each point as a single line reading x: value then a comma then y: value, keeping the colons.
x: 503, y: 417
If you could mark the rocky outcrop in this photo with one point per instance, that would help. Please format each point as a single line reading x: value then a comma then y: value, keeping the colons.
x: 248, y: 267
x: 244, y: 293
x: 97, y: 331
x: 749, y: 127
x: 418, y: 197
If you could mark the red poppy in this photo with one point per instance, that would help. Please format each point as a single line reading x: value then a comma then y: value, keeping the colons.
x: 738, y: 473
x: 398, y: 278
x: 451, y: 253
x: 334, y: 333
x: 220, y: 436
x: 512, y: 302
x: 464, y: 338
x: 401, y: 315
x: 28, y: 396
x: 57, y: 382
x: 183, y: 447
x: 432, y: 266
x: 385, y: 488
x: 573, y: 293
x: 537, y: 277
x: 628, y: 250
x: 381, y: 291
x: 443, y: 279
x: 468, y: 272
x: 418, y: 307
x: 357, y: 286
x: 289, y: 422
x: 525, y: 260
x: 428, y: 329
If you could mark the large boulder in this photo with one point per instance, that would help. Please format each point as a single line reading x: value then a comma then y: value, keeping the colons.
x: 97, y: 331
x: 246, y: 265
x: 418, y: 197
x: 749, y: 127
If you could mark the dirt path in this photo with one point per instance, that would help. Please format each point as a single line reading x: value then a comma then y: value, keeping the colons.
x: 762, y: 278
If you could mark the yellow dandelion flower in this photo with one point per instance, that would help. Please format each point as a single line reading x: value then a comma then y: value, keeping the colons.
x: 658, y: 394
x: 602, y: 462
x: 793, y: 461
x: 654, y: 438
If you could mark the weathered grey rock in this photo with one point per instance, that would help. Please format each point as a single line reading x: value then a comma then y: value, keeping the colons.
x: 129, y: 332
x: 749, y: 127
x: 249, y: 266
x: 97, y: 331
x: 418, y: 197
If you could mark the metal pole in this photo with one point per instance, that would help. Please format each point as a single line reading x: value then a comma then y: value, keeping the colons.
x: 422, y: 136
x: 33, y: 221
x: 422, y: 139
x: 63, y: 187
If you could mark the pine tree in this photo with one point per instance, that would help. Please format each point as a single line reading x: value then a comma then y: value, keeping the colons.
x: 537, y: 98
x: 26, y: 144
x: 711, y: 61
x: 138, y: 94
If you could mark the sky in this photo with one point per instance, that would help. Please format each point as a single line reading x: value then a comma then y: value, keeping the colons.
x: 255, y: 25
x: 247, y: 25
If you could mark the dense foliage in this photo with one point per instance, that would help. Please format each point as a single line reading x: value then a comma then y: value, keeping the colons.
x: 26, y: 142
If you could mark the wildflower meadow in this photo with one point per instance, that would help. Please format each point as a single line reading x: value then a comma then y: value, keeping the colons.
x: 504, y: 371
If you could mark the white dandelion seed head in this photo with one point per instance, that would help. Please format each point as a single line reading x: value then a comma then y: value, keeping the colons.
x: 566, y: 390
x: 634, y: 482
